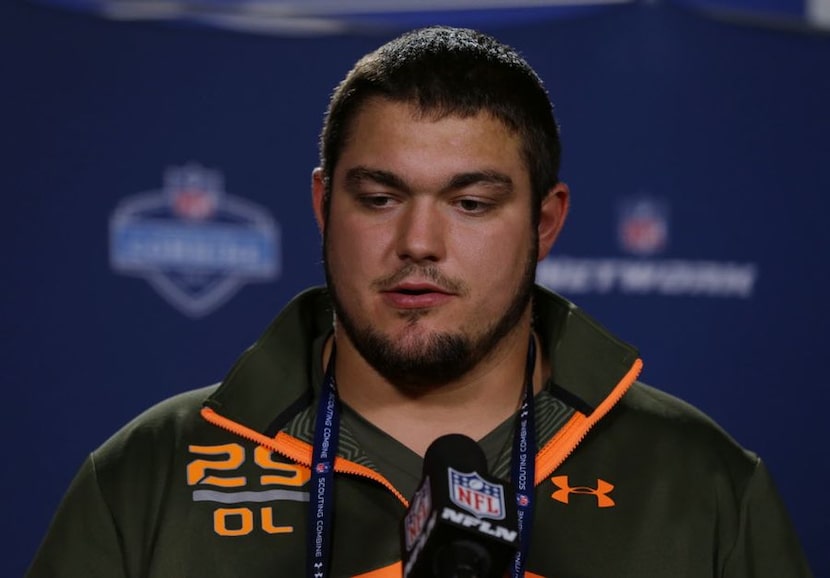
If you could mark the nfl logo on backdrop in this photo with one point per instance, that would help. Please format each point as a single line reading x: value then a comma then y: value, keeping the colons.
x: 473, y: 493
x: 643, y: 225
x: 194, y: 243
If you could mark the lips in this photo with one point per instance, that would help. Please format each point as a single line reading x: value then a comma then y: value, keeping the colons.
x: 416, y: 295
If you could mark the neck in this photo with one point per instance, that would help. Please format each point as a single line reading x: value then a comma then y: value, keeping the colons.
x: 472, y: 405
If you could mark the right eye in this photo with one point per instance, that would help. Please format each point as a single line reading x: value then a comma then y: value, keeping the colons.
x: 376, y: 201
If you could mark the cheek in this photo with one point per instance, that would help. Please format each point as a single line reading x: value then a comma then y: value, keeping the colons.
x: 501, y: 254
x: 352, y: 251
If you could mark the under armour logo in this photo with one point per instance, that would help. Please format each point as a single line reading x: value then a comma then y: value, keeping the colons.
x: 564, y: 492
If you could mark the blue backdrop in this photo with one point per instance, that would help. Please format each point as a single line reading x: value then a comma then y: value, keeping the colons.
x: 696, y: 150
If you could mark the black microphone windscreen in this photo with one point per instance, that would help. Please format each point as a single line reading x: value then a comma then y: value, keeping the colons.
x: 455, y: 450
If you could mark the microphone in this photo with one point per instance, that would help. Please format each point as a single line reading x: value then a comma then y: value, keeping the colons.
x: 462, y: 522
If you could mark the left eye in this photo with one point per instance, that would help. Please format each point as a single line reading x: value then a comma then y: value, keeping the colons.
x: 472, y: 205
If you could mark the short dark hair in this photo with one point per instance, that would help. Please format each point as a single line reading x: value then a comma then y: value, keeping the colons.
x: 450, y: 71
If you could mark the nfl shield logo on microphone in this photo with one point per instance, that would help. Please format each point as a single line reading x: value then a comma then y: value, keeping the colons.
x: 473, y: 493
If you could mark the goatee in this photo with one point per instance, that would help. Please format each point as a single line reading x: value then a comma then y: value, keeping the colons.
x: 430, y: 360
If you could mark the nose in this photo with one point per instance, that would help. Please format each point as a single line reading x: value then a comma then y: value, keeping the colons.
x: 420, y: 232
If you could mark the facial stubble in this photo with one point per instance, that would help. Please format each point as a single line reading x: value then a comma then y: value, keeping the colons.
x: 436, y: 358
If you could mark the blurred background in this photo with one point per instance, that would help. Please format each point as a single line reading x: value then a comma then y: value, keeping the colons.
x: 156, y: 209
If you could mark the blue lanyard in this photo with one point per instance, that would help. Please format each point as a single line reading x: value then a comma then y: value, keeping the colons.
x: 523, y: 466
x: 327, y: 432
x: 321, y: 499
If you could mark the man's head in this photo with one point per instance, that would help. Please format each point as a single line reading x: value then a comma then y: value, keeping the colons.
x: 437, y: 195
x: 449, y: 71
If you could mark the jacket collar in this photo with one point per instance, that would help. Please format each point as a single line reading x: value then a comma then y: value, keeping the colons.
x: 587, y: 362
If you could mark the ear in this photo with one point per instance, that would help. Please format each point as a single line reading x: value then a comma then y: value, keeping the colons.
x: 318, y: 194
x: 552, y: 217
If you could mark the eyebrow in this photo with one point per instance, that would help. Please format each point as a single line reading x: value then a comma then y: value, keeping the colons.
x: 357, y: 175
x: 490, y: 178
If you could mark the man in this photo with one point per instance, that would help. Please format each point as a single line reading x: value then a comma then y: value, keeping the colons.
x: 437, y: 193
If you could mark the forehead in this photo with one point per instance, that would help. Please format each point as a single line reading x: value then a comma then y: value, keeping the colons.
x: 399, y: 137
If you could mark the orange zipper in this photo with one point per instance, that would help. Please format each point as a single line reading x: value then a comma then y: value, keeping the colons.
x: 297, y: 450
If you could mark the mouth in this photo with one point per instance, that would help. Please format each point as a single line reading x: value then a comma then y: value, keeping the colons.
x: 416, y: 296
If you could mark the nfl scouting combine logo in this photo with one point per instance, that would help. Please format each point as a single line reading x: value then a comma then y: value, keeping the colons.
x: 195, y: 244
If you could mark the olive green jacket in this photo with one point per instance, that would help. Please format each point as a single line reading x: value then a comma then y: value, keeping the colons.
x: 213, y: 483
